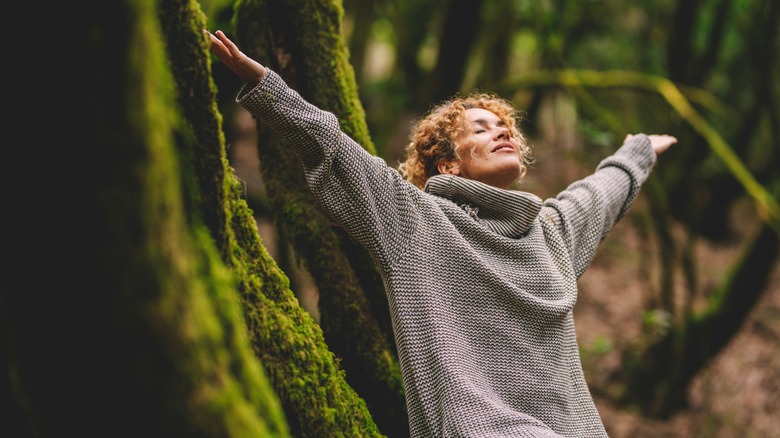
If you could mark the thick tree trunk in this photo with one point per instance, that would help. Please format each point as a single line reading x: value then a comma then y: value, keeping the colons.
x: 315, y: 396
x: 680, y: 54
x: 302, y: 41
x: 118, y: 319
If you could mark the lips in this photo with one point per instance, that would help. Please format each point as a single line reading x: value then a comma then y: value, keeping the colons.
x: 503, y: 147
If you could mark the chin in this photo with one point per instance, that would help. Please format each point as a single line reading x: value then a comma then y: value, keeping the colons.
x: 512, y: 173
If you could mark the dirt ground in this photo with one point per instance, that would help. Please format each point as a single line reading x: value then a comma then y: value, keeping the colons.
x: 737, y: 395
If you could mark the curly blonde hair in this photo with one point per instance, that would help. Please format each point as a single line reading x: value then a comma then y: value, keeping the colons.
x: 434, y: 137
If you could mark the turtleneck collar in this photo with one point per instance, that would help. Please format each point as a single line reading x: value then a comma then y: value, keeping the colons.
x: 509, y: 213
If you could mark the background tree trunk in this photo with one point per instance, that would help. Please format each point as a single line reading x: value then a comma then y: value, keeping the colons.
x: 457, y: 37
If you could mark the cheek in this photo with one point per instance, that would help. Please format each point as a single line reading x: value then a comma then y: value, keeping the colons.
x: 466, y: 151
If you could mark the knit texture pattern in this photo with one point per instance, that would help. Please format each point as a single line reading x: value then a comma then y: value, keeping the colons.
x: 481, y: 281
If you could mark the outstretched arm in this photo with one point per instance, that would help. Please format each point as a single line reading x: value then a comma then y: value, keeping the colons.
x: 359, y: 191
x: 587, y: 210
x: 249, y: 70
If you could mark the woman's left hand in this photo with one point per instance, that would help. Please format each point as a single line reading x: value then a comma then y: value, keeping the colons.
x: 659, y: 142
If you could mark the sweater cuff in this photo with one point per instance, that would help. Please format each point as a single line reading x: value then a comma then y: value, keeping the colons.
x: 639, y: 151
x: 270, y: 93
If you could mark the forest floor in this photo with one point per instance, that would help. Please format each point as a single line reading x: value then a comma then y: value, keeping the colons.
x: 736, y: 395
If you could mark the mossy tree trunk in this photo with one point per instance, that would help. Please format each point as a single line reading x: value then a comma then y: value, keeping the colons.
x: 118, y: 318
x: 302, y: 41
x: 698, y: 196
x: 315, y: 396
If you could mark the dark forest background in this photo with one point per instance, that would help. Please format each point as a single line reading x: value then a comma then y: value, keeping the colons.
x: 167, y: 273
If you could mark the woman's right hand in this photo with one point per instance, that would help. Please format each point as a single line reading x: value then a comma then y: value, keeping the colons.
x: 249, y: 70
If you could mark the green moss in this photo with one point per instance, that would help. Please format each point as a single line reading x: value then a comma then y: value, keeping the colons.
x: 128, y: 317
x: 285, y: 338
x: 183, y: 22
x: 250, y: 384
x: 315, y: 63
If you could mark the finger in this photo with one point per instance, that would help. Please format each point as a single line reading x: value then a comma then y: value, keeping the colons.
x: 220, y: 51
x: 214, y: 40
x: 232, y: 48
x: 218, y: 48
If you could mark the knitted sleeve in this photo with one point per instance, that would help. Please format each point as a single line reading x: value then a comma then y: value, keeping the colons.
x: 587, y: 209
x: 356, y: 189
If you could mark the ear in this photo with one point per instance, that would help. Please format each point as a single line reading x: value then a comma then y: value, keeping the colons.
x: 449, y: 167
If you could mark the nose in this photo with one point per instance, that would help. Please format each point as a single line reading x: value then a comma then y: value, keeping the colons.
x: 502, y: 133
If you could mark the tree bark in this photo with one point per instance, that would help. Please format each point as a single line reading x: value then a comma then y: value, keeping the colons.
x: 302, y: 41
x: 117, y: 316
x: 315, y: 396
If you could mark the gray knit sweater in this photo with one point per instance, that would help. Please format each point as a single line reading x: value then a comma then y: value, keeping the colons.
x: 481, y: 281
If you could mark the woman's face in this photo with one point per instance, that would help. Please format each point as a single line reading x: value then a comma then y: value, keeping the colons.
x: 487, y: 150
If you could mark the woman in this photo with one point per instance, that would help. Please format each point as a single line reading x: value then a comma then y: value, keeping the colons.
x: 481, y: 280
